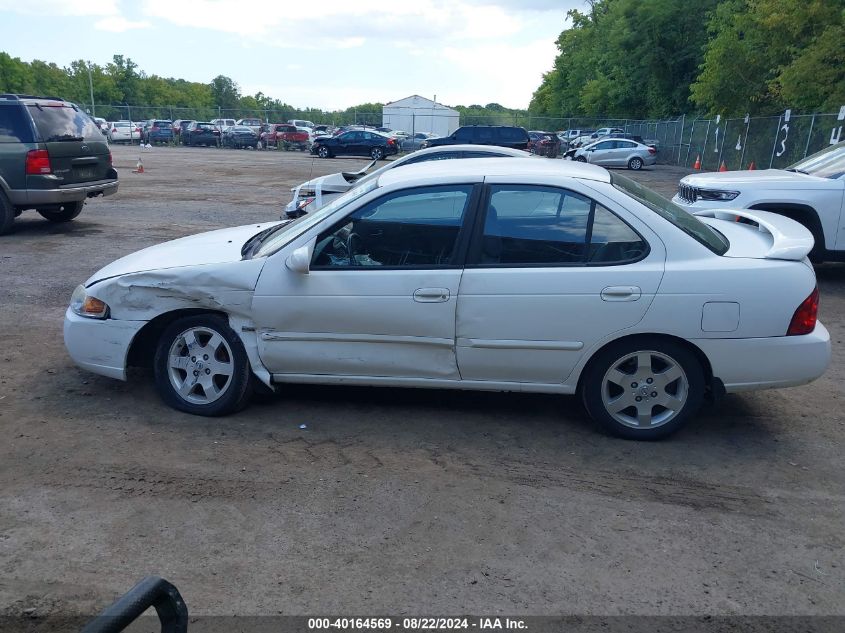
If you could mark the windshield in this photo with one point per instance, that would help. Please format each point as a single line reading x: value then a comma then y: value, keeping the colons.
x: 282, y: 234
x: 828, y: 163
x: 684, y: 220
x: 64, y: 123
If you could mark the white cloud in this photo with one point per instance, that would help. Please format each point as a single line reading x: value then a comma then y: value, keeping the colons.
x: 119, y: 24
x: 61, y: 7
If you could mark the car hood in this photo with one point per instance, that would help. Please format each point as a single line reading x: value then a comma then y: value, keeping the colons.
x: 212, y: 247
x: 764, y: 177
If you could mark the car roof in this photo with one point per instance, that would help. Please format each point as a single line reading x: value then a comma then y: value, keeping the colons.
x: 475, y: 167
x: 468, y: 147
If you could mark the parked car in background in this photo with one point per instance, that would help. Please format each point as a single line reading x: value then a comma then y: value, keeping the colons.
x: 607, y: 131
x: 544, y: 144
x: 400, y: 135
x: 355, y: 143
x: 572, y: 134
x: 318, y: 192
x: 53, y: 157
x: 617, y: 153
x: 573, y: 281
x: 239, y: 136
x: 502, y: 135
x: 284, y: 136
x: 201, y: 133
x: 220, y: 124
x: 159, y: 131
x: 812, y: 192
x: 251, y: 123
x: 102, y: 124
x: 415, y: 142
x: 124, y: 132
x: 302, y: 123
x: 179, y: 128
x: 633, y: 137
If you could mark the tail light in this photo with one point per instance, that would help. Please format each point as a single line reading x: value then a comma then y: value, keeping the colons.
x: 390, y: 141
x: 651, y: 150
x: 38, y: 162
x: 113, y: 130
x: 110, y: 158
x: 806, y: 315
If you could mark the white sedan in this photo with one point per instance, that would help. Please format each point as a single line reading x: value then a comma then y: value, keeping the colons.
x: 494, y: 274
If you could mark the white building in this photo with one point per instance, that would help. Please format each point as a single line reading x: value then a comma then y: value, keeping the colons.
x: 418, y: 114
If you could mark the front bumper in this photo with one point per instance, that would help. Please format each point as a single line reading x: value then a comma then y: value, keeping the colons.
x: 748, y: 364
x: 100, y: 345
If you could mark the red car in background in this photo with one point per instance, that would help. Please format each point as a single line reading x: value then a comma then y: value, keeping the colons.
x: 544, y: 144
x: 284, y: 136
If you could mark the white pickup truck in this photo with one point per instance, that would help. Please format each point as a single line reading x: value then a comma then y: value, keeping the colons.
x: 812, y: 191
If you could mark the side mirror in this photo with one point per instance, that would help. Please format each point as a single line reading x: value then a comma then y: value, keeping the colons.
x: 300, y: 260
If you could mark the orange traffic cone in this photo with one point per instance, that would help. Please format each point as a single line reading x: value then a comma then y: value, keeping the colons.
x: 723, y: 167
x: 751, y: 166
x: 697, y: 164
x: 140, y: 168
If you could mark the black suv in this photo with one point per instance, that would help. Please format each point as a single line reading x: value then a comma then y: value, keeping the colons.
x: 502, y: 135
x: 52, y: 158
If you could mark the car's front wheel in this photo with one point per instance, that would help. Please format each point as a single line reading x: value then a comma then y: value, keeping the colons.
x: 64, y: 213
x: 201, y: 366
x: 635, y: 163
x: 644, y: 388
x: 323, y: 152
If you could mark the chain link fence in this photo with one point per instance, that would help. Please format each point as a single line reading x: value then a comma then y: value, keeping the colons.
x: 738, y: 143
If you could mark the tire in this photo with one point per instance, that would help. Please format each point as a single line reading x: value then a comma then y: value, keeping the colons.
x: 324, y: 152
x: 618, y: 375
x: 7, y: 214
x: 223, y: 383
x: 377, y: 153
x: 65, y: 213
x: 580, y: 159
x: 635, y: 163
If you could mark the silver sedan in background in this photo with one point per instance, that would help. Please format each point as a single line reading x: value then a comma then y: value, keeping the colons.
x: 617, y: 152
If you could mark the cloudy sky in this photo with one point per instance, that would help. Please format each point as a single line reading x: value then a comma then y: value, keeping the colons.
x: 328, y: 54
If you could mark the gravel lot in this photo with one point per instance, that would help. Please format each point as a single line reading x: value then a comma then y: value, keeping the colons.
x: 391, y: 501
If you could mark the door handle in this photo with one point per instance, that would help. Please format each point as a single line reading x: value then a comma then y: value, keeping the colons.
x: 431, y: 295
x: 621, y: 293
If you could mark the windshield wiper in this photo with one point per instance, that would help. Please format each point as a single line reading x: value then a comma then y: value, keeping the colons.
x: 64, y: 137
x: 253, y: 243
x: 798, y: 171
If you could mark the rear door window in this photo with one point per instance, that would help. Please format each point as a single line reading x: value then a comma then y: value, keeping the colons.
x: 547, y: 226
x: 14, y: 128
x: 64, y: 123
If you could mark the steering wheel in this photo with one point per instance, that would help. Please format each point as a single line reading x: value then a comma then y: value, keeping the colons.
x: 350, y: 247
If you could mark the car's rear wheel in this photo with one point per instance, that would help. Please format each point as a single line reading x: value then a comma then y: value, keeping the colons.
x: 580, y: 159
x: 635, y: 163
x: 64, y: 213
x: 377, y: 153
x: 323, y: 152
x: 644, y: 388
x: 201, y: 366
x: 7, y: 214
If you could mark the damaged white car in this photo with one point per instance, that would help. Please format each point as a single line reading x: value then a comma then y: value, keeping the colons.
x: 494, y: 274
x: 317, y: 192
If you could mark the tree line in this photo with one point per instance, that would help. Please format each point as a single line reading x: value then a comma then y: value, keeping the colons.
x: 122, y: 83
x: 635, y: 59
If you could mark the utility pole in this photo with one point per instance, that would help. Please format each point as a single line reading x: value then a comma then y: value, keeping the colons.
x: 91, y: 90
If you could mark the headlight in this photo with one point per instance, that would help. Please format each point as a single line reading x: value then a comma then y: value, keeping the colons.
x: 85, y: 305
x: 713, y: 194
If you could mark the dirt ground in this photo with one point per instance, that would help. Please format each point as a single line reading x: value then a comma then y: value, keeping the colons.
x: 390, y: 501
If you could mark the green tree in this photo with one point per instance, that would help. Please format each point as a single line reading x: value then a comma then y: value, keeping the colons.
x: 225, y: 92
x: 764, y: 55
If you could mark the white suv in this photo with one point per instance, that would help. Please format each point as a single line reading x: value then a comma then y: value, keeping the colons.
x: 812, y: 191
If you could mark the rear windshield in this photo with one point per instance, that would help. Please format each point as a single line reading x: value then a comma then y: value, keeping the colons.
x: 205, y: 126
x: 684, y: 220
x: 64, y: 123
x: 164, y: 125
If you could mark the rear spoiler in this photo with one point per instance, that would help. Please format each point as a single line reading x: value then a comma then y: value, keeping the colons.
x: 790, y: 239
